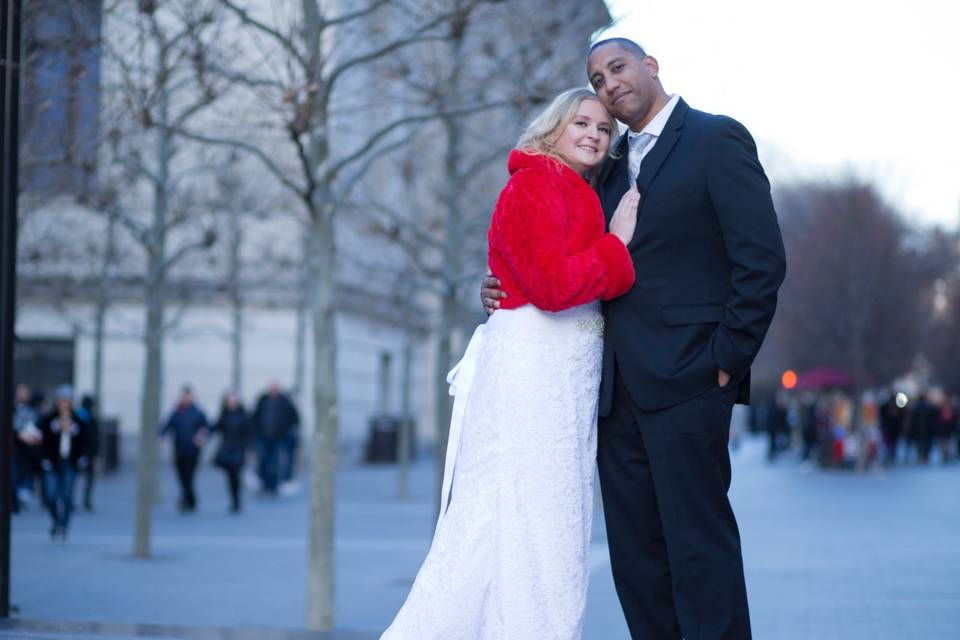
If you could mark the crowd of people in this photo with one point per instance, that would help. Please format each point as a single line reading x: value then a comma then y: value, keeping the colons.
x: 895, y: 427
x: 272, y: 429
x: 59, y: 443
x: 52, y: 447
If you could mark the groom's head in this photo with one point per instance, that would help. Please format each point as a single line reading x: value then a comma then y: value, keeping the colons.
x: 626, y: 80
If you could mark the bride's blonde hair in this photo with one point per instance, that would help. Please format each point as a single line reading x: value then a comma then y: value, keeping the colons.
x: 541, y: 135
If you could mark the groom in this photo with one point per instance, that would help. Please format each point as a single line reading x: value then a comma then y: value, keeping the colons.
x: 678, y: 348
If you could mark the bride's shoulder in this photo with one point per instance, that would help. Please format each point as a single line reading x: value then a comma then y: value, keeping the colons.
x: 533, y: 171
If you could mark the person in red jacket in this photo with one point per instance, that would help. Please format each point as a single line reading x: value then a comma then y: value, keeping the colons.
x: 510, y: 553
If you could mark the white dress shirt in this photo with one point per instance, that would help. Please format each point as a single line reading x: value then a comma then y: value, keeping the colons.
x: 654, y: 128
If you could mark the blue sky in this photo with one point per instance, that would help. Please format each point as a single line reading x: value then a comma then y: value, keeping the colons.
x: 826, y: 87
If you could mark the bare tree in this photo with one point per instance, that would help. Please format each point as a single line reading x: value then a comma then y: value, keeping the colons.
x: 156, y: 56
x: 237, y: 207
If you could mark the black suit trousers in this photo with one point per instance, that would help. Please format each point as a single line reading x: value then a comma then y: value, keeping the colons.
x: 674, y: 542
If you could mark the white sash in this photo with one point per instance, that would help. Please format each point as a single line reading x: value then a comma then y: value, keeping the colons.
x: 460, y: 380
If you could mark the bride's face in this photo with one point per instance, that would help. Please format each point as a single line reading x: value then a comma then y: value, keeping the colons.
x: 584, y: 142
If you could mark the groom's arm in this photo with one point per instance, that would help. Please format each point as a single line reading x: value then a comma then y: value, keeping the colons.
x: 741, y: 198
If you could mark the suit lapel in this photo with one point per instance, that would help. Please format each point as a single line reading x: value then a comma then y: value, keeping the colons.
x: 668, y: 139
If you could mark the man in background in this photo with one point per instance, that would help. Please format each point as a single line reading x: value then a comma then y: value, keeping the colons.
x: 275, y: 422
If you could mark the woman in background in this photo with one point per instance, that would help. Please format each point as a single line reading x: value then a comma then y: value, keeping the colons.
x: 236, y: 430
x: 64, y: 454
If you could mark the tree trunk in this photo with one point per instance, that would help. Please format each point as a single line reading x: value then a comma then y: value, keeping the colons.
x: 300, y: 350
x: 406, y: 419
x: 99, y: 329
x: 453, y: 268
x: 149, y: 421
x: 236, y: 302
x: 147, y: 480
x: 300, y: 339
x: 103, y: 304
x: 320, y: 568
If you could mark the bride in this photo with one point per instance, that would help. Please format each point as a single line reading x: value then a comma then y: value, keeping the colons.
x: 509, y: 558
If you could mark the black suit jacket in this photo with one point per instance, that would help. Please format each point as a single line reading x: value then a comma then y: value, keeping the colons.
x: 709, y: 260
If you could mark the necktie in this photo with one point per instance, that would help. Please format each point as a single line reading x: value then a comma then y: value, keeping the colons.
x: 638, y: 144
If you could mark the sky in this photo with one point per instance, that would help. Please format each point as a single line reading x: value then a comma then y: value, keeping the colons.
x: 827, y: 87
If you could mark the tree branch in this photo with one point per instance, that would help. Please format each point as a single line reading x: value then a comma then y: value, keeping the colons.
x: 183, y: 251
x: 419, y: 35
x: 362, y: 171
x: 354, y: 15
x: 374, y: 138
x: 252, y: 149
x: 285, y: 42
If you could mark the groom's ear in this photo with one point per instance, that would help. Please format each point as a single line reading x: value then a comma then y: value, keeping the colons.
x: 651, y: 63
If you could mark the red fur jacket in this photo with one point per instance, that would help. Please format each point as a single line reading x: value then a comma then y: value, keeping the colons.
x: 547, y: 239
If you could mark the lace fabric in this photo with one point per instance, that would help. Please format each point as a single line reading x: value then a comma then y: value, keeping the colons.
x: 510, y: 557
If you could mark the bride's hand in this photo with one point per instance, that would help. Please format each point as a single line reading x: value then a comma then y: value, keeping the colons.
x: 624, y: 220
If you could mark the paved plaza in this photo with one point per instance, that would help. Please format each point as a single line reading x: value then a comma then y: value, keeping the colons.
x: 829, y: 555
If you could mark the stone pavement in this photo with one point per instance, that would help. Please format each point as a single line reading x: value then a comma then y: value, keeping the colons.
x: 829, y: 555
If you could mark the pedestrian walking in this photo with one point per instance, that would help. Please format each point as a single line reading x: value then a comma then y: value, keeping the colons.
x: 891, y: 426
x: 808, y: 425
x: 64, y: 455
x: 235, y: 428
x: 27, y: 436
x: 923, y: 426
x: 189, y: 427
x: 945, y: 426
x: 274, y: 418
x: 778, y: 430
x: 88, y: 413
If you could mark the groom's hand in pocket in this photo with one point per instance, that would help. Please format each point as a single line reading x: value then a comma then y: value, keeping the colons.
x: 491, y: 293
x: 723, y: 378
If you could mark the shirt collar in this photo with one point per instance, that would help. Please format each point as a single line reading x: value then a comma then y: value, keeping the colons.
x: 655, y: 126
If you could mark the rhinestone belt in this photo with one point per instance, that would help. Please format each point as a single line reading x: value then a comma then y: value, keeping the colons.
x: 592, y: 325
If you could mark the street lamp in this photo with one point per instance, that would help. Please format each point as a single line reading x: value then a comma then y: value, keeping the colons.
x: 9, y: 120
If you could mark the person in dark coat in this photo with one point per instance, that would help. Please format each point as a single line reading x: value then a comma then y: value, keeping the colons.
x: 27, y: 446
x: 88, y: 412
x: 808, y: 425
x: 26, y: 436
x: 64, y: 454
x: 922, y: 427
x: 189, y: 427
x: 946, y: 423
x: 777, y: 428
x: 891, y: 426
x: 274, y: 419
x: 236, y: 430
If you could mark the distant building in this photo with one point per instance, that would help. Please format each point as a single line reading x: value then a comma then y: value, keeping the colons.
x: 60, y: 95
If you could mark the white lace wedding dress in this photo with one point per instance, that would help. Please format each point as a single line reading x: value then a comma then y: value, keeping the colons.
x: 509, y: 558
